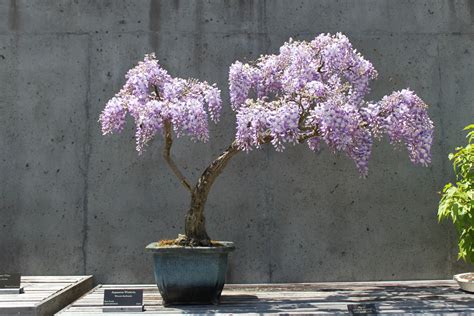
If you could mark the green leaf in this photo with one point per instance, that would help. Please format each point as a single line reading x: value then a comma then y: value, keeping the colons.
x: 457, y: 200
x: 470, y: 126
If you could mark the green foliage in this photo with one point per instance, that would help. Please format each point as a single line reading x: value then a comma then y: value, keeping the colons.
x: 457, y: 201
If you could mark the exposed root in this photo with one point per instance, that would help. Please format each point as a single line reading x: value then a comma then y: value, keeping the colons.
x: 184, y: 241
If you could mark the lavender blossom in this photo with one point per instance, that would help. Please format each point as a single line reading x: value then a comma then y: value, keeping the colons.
x: 241, y: 79
x: 152, y: 97
x: 314, y: 91
x: 404, y: 119
x: 113, y: 116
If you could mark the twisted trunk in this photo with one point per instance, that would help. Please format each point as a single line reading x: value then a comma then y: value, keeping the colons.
x: 195, y: 222
x: 195, y: 228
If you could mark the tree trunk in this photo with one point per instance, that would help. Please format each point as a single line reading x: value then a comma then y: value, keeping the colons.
x: 195, y: 227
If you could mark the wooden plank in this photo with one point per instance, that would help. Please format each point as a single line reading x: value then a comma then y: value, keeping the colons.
x: 85, y: 295
x: 44, y: 295
x: 331, y: 310
x: 339, y: 285
x: 62, y: 298
x: 49, y: 278
x: 424, y: 296
x: 224, y: 301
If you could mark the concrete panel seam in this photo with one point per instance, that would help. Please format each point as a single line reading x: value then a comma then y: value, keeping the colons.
x: 442, y: 133
x: 87, y: 152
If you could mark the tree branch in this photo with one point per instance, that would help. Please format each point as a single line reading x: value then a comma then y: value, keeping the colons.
x: 194, y: 227
x: 167, y: 156
x: 213, y: 170
x: 303, y: 138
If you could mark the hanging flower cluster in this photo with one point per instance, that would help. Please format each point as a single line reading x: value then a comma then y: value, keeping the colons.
x: 314, y: 91
x: 310, y: 92
x: 152, y: 97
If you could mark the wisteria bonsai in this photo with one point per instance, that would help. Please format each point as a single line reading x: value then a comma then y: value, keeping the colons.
x: 310, y: 92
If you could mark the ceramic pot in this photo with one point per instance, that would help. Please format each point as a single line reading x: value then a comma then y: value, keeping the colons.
x: 190, y: 275
x: 465, y: 281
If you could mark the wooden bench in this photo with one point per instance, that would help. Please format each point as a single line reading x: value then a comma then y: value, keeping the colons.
x: 426, y: 297
x: 45, y: 295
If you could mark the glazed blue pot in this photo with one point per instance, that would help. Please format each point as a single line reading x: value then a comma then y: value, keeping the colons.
x: 190, y: 275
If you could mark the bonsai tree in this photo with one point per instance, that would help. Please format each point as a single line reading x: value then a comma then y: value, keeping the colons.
x: 311, y: 92
x: 457, y: 201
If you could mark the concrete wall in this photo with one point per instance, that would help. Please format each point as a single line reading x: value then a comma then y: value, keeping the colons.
x: 74, y: 202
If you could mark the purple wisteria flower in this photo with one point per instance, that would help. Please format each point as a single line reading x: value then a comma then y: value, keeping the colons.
x: 314, y: 91
x: 152, y: 97
x: 311, y: 92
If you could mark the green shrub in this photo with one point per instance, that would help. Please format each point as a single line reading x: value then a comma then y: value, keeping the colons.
x: 457, y: 201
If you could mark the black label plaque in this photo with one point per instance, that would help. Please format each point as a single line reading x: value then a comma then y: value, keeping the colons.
x: 122, y: 297
x: 362, y: 309
x: 10, y: 280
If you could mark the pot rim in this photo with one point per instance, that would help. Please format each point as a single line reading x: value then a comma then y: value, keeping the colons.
x: 227, y: 246
x: 460, y: 277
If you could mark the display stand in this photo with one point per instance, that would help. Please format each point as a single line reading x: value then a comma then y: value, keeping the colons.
x: 44, y: 295
x: 429, y: 297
